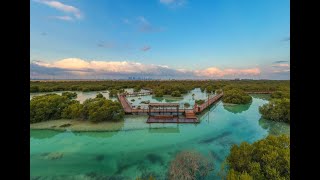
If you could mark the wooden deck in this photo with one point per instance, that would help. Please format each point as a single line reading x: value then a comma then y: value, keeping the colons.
x: 212, y: 100
x: 167, y: 114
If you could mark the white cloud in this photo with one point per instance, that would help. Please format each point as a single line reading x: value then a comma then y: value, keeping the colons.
x: 216, y: 72
x: 64, y: 18
x: 281, y: 65
x: 106, y: 66
x: 62, y: 7
x: 83, y: 68
x: 280, y: 68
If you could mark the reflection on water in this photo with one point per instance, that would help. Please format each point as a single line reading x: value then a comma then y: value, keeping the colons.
x: 164, y: 130
x: 275, y: 128
x: 261, y: 96
x: 239, y: 108
x: 139, y: 149
x: 43, y: 134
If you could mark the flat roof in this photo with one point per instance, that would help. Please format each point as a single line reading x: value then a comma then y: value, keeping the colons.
x: 165, y: 104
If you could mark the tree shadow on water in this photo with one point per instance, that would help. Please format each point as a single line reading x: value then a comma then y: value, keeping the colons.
x: 236, y: 109
x: 43, y: 134
x: 275, y: 128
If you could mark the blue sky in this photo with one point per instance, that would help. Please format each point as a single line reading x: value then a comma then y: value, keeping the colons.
x: 201, y: 39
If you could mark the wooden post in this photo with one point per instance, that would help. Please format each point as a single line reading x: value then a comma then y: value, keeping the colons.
x: 178, y: 111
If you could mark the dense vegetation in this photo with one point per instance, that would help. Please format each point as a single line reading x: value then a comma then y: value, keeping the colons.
x: 54, y: 106
x: 176, y: 94
x: 186, y: 105
x: 113, y: 93
x: 190, y: 165
x: 167, y: 87
x: 236, y: 96
x: 276, y: 110
x: 158, y: 93
x: 265, y: 159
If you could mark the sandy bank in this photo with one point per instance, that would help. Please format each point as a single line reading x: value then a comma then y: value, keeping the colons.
x: 77, y: 125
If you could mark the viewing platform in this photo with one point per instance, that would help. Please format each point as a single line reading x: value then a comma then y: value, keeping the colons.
x: 167, y: 112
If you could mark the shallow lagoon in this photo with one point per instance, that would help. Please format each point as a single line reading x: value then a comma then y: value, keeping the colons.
x: 139, y: 149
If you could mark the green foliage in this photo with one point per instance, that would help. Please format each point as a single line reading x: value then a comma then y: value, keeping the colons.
x: 219, y: 91
x: 73, y: 111
x: 54, y: 106
x: 276, y: 110
x: 280, y: 95
x: 100, y: 109
x: 166, y: 86
x: 158, y: 93
x: 70, y: 95
x: 176, y: 94
x: 99, y: 95
x: 137, y: 88
x: 199, y: 101
x: 186, y: 105
x: 47, y: 107
x: 233, y: 175
x: 209, y: 89
x: 145, y: 102
x: 268, y: 158
x: 236, y: 96
x: 113, y: 93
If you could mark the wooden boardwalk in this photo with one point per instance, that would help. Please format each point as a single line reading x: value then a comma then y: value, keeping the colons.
x: 199, y: 108
x: 190, y: 114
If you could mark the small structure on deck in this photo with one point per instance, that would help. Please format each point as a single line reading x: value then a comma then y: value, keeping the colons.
x: 167, y: 113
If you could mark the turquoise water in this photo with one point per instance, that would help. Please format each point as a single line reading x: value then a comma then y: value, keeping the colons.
x: 186, y: 98
x: 139, y: 149
x: 81, y: 96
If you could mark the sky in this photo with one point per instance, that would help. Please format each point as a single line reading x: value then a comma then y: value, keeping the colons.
x: 166, y: 39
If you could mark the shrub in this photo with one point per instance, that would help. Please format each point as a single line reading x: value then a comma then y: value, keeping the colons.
x: 268, y: 158
x: 236, y: 96
x: 186, y: 105
x: 190, y: 165
x: 200, y: 101
x: 276, y: 110
x: 176, y: 94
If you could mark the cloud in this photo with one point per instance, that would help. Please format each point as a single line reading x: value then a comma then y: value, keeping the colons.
x: 216, y: 72
x: 281, y: 65
x: 62, y: 7
x: 83, y: 69
x: 281, y: 71
x: 64, y: 18
x: 281, y: 68
x: 277, y: 62
x: 146, y: 48
x: 145, y: 26
x: 173, y: 3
